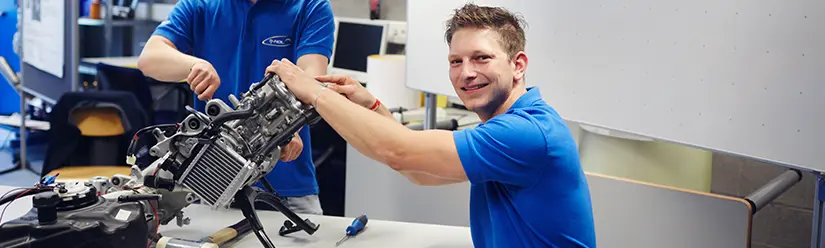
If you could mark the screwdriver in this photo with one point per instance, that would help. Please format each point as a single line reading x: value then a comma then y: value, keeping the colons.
x: 353, y: 229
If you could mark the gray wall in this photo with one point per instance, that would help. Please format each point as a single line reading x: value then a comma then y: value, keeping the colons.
x: 784, y: 223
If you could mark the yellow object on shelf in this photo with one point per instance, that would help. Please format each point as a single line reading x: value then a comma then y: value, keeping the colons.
x: 440, y: 101
x: 94, y: 10
x: 636, y: 158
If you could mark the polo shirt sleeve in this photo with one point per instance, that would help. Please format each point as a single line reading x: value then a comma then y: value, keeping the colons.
x: 318, y: 34
x: 178, y: 27
x: 509, y: 149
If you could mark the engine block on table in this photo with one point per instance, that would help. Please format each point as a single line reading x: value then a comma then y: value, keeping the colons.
x: 214, y: 154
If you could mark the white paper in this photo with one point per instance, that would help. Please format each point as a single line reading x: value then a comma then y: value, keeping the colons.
x: 43, y: 35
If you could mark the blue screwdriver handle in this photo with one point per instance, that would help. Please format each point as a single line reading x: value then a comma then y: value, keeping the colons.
x: 357, y: 225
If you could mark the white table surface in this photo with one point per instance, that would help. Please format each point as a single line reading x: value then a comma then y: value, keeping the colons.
x: 378, y: 233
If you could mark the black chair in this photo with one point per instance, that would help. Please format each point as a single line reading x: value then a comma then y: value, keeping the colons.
x: 116, y: 78
x: 132, y: 80
x: 68, y: 146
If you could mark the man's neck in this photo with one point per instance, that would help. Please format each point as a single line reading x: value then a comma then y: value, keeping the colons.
x: 515, y: 94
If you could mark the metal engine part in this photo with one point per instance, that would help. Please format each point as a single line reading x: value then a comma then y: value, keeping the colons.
x: 215, y: 154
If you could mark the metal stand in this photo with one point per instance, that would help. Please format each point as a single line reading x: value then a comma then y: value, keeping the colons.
x: 429, y: 111
x: 247, y: 197
x: 773, y: 189
x: 818, y: 229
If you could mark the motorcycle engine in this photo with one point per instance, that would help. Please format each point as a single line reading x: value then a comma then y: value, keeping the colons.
x: 215, y: 154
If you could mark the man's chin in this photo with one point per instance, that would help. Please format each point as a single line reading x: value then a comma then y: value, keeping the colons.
x: 475, y: 105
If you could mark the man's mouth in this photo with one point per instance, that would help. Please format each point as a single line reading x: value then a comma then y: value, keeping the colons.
x: 474, y: 87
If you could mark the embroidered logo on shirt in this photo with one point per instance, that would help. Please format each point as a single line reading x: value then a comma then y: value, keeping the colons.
x: 278, y: 41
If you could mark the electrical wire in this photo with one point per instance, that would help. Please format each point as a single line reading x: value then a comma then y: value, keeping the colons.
x: 131, y: 149
x: 157, y: 222
x: 12, y: 200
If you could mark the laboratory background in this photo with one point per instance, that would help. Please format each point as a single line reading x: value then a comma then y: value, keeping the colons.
x: 698, y: 123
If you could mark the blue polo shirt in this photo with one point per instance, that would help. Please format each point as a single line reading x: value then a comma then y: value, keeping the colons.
x: 240, y: 39
x: 527, y: 186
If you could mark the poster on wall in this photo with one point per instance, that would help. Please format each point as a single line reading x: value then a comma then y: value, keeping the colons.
x: 43, y: 35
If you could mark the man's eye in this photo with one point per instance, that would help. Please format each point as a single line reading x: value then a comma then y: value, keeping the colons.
x: 457, y: 61
x: 483, y: 57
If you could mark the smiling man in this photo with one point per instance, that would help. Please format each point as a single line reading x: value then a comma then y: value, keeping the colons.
x: 528, y: 188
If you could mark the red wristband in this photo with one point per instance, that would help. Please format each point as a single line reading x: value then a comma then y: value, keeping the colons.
x: 375, y: 105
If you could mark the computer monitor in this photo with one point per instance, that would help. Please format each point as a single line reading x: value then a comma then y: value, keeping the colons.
x: 357, y: 39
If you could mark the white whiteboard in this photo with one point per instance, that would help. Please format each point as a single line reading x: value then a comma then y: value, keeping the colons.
x: 742, y: 77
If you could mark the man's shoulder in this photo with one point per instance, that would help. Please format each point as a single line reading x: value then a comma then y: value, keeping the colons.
x: 541, y: 117
x: 536, y: 113
x: 197, y: 3
x: 309, y: 5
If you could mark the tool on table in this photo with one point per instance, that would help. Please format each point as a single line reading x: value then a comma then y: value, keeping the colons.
x: 230, y: 233
x: 354, y: 229
x: 172, y: 242
x: 212, y: 241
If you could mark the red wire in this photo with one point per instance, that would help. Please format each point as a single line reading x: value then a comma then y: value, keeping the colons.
x: 157, y: 223
x: 12, y: 200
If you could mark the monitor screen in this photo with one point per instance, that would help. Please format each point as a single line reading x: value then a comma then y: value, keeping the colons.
x: 356, y: 42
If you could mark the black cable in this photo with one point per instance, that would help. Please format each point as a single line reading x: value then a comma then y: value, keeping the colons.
x: 10, y: 196
x: 130, y: 151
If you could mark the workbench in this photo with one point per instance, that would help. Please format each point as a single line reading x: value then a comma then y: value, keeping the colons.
x: 378, y: 233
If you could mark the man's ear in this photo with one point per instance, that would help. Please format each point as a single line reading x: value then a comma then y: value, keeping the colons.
x: 519, y: 65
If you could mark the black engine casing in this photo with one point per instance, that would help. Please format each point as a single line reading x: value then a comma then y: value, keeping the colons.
x: 105, y: 223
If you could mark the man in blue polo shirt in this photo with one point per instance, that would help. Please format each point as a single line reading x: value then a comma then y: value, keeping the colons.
x: 528, y: 187
x: 221, y: 47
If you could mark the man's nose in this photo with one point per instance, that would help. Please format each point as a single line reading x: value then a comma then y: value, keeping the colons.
x: 468, y: 71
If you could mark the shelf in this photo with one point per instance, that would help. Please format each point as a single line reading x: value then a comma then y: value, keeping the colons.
x: 84, y: 21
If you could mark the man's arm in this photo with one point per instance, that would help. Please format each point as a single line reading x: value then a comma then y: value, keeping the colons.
x: 314, y: 65
x: 425, y: 179
x: 164, y: 57
x: 387, y: 141
x: 510, y: 148
x: 161, y: 60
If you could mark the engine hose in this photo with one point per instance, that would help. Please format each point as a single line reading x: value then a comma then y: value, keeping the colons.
x: 240, y: 114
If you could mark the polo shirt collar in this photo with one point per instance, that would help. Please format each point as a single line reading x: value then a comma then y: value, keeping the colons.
x: 533, y: 94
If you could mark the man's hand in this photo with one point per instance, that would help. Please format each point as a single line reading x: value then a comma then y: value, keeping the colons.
x: 293, y: 149
x: 351, y: 88
x: 299, y: 83
x: 203, y: 80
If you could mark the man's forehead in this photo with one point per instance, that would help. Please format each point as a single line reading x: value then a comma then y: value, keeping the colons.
x: 472, y: 42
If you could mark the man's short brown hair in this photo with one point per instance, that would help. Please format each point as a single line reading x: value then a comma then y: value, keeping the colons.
x: 508, y: 25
